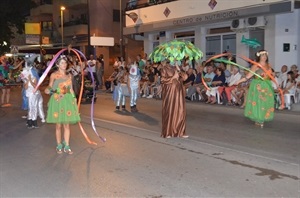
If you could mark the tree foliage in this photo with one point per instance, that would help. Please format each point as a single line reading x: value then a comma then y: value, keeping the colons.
x: 13, y: 15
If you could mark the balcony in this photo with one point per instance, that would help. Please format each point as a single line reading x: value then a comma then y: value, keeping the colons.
x: 76, y: 29
x: 136, y: 4
x: 42, y: 10
x: 75, y: 4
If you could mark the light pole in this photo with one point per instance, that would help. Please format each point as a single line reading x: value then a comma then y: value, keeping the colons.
x: 121, y: 30
x: 62, y: 8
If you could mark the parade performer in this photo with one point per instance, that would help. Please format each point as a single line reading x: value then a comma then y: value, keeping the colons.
x: 30, y: 77
x: 260, y: 98
x: 173, y: 101
x: 121, y: 90
x: 62, y: 108
x: 133, y: 84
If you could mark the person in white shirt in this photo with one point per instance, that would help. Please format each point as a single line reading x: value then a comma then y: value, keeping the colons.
x: 235, y: 76
x: 92, y: 63
x: 283, y: 76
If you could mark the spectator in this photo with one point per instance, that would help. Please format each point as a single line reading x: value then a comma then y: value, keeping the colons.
x: 218, y: 80
x: 190, y: 80
x: 197, y: 83
x: 208, y: 77
x: 283, y: 75
x: 235, y: 76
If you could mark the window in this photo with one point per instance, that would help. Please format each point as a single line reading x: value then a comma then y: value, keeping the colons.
x: 47, y: 25
x: 217, y: 44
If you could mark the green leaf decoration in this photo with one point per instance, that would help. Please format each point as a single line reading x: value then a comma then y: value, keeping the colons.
x: 175, y: 50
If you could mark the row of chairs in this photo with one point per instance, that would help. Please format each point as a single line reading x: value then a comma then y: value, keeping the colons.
x: 288, y: 98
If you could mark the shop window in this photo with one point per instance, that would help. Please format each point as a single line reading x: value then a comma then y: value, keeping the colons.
x: 47, y: 25
x: 185, y: 36
x: 259, y: 35
x: 218, y: 44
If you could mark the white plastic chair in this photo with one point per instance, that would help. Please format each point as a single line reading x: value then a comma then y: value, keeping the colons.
x: 288, y: 98
x: 194, y: 97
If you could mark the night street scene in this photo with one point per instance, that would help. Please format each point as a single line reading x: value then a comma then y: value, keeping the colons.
x: 149, y: 98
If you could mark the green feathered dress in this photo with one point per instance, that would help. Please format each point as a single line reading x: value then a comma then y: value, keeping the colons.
x: 260, y: 101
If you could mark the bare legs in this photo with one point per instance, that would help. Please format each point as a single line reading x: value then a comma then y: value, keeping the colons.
x: 5, y: 93
x: 66, y: 138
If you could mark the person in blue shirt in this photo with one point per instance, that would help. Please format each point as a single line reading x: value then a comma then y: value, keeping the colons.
x: 218, y: 80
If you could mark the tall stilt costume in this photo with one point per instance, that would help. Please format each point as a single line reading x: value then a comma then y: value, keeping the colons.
x: 134, y: 80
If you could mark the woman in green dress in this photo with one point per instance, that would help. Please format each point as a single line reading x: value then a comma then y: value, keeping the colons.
x: 62, y: 106
x: 260, y: 98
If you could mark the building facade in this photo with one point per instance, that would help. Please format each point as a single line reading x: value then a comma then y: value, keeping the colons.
x: 80, y: 20
x: 216, y: 26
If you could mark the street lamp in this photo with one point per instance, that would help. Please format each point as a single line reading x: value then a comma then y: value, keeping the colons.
x: 62, y: 8
x: 121, y: 30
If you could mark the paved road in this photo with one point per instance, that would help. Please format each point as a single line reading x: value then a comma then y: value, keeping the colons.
x: 226, y: 155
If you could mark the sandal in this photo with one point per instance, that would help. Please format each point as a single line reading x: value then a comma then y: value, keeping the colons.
x: 260, y: 124
x: 59, y: 149
x: 68, y: 150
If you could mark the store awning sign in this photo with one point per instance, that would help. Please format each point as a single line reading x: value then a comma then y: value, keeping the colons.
x: 32, y: 28
x: 32, y: 39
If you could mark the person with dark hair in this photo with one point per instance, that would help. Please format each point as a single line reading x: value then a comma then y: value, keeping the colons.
x: 62, y: 107
x: 260, y: 98
x: 218, y: 81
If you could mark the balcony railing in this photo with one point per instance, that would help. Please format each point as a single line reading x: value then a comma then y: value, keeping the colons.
x: 136, y: 4
x: 45, y: 9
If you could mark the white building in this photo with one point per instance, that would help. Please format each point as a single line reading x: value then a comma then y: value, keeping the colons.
x: 218, y: 25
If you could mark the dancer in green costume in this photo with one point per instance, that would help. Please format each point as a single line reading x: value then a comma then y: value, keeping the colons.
x: 62, y: 106
x: 260, y: 98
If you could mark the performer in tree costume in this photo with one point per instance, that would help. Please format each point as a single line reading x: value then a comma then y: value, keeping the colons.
x: 62, y: 108
x: 134, y: 80
x: 260, y: 98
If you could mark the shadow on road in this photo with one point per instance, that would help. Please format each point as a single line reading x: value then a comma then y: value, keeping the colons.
x: 139, y: 116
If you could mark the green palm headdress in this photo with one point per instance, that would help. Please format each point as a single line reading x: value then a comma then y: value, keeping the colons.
x: 175, y: 51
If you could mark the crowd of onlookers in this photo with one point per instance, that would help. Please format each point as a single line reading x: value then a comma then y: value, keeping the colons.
x: 220, y: 86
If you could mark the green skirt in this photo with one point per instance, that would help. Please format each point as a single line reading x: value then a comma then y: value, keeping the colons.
x: 62, y: 108
x: 260, y: 101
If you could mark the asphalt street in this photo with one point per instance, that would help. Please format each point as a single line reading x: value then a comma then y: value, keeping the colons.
x: 225, y: 156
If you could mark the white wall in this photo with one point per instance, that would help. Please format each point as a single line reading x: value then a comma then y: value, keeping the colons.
x: 180, y: 8
x: 286, y: 31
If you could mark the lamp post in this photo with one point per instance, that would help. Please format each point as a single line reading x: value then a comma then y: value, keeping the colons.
x: 62, y: 8
x: 121, y: 31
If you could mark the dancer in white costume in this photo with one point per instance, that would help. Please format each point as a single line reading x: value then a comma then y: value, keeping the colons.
x: 134, y: 81
x: 121, y: 88
x: 30, y: 78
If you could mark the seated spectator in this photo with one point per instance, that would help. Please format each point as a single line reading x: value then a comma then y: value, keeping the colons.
x: 240, y: 92
x: 155, y: 85
x: 290, y: 85
x: 294, y: 69
x: 190, y: 80
x: 218, y: 80
x: 226, y: 71
x: 235, y: 76
x: 149, y: 81
x: 283, y: 75
x: 197, y: 83
x: 208, y: 77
